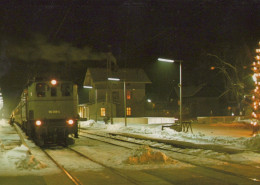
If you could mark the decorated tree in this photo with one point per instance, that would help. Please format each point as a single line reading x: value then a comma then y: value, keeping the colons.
x: 256, y: 91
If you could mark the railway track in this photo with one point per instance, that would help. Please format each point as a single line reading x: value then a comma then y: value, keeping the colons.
x: 67, y: 172
x: 73, y: 178
x: 249, y: 172
x: 230, y: 170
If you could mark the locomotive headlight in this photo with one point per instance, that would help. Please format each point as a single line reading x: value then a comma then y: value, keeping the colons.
x: 70, y: 121
x: 38, y: 123
x: 53, y: 82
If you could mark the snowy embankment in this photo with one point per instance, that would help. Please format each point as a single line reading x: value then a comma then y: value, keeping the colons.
x: 155, y: 131
x: 16, y: 158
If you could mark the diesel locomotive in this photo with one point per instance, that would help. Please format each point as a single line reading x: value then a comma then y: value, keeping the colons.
x: 47, y: 111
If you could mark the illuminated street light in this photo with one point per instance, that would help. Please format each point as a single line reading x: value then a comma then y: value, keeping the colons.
x: 180, y: 85
x: 113, y: 79
x: 117, y: 79
x: 165, y: 60
x: 87, y: 87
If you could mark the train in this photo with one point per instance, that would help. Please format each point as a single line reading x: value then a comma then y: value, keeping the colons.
x: 47, y: 111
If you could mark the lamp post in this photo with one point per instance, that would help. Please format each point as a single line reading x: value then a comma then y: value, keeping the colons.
x: 180, y: 84
x: 91, y: 87
x: 117, y: 79
x: 111, y: 107
x: 125, y: 104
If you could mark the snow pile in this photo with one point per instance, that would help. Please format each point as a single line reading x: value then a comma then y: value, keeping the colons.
x: 85, y: 124
x: 145, y: 155
x: 22, y: 159
x: 30, y: 162
x: 92, y: 124
x: 3, y: 123
x: 253, y: 142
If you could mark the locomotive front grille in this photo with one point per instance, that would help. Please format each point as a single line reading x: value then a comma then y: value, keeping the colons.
x: 55, y: 123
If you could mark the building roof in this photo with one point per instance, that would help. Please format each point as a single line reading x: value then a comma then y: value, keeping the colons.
x: 202, y: 90
x: 132, y: 75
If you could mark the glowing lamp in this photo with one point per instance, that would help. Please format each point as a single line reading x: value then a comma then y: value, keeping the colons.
x: 70, y: 121
x: 38, y: 123
x: 53, y: 82
x: 165, y: 60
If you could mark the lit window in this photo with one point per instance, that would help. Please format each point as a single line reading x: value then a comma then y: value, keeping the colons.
x: 128, y: 111
x: 103, y: 111
x: 128, y: 95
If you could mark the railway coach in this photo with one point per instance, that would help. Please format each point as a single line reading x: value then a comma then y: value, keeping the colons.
x: 47, y: 111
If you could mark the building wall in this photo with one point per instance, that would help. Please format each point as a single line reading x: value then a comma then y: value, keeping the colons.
x: 93, y: 111
x: 100, y: 93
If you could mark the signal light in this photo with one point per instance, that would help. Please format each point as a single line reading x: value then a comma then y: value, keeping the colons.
x: 38, y: 123
x: 70, y: 121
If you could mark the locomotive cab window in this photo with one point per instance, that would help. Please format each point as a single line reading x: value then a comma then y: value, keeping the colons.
x: 66, y: 89
x: 53, y: 91
x: 41, y: 89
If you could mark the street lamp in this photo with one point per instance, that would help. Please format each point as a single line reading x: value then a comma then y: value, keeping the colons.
x: 111, y: 107
x: 125, y: 104
x: 117, y: 79
x: 90, y: 87
x: 87, y: 87
x: 180, y: 84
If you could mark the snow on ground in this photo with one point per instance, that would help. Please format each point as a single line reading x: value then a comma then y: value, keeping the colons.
x: 231, y: 135
x: 17, y: 159
x: 243, y: 142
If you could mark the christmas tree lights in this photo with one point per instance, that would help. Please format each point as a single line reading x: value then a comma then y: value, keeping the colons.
x: 256, y: 91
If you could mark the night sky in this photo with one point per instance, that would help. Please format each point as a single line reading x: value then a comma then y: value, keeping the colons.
x: 68, y: 36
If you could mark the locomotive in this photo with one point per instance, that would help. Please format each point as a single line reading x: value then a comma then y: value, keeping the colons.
x: 47, y: 111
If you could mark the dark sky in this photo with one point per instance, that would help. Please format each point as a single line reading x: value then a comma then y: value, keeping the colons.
x: 138, y: 32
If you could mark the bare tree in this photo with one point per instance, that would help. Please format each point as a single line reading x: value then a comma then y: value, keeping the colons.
x: 233, y: 81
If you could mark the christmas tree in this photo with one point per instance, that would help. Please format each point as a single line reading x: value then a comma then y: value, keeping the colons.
x: 256, y: 91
